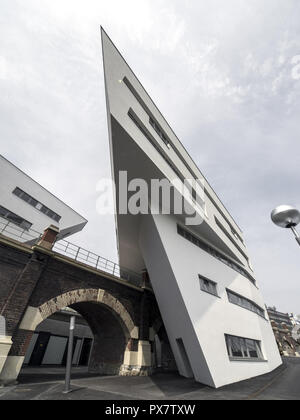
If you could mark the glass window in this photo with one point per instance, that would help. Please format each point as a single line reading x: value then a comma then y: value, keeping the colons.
x: 252, y: 348
x: 245, y: 303
x: 243, y: 348
x: 236, y: 347
x: 25, y: 225
x: 3, y: 211
x: 216, y: 254
x: 35, y: 203
x: 208, y: 286
x: 14, y: 218
x: 45, y: 210
x: 18, y: 192
x: 26, y: 197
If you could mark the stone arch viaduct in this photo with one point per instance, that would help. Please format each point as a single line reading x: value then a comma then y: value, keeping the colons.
x: 36, y: 282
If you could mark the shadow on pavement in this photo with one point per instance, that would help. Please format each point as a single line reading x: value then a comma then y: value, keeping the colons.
x: 172, y: 384
x: 41, y: 375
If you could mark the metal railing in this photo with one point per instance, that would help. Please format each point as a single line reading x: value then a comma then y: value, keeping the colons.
x: 31, y: 237
x: 93, y: 260
x: 26, y: 236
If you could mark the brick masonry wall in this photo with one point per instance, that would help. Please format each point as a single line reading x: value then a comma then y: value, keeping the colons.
x: 34, y: 278
x: 21, y: 342
x: 38, y: 277
x: 60, y: 278
x: 24, y: 285
x: 12, y: 263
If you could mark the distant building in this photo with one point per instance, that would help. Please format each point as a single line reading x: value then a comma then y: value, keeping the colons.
x: 286, y: 331
x: 295, y: 320
x: 280, y: 317
x: 27, y: 208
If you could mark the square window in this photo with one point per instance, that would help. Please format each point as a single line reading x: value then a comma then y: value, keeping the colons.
x: 208, y: 286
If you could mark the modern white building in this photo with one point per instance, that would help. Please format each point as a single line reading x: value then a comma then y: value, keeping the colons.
x: 202, y: 277
x: 27, y: 208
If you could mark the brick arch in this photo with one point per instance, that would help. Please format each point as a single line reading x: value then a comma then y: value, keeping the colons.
x: 34, y: 316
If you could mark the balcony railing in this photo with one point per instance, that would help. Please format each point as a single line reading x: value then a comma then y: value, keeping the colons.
x: 31, y: 237
x: 26, y: 236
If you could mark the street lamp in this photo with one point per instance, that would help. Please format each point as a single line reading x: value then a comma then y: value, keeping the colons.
x: 70, y: 356
x: 287, y: 217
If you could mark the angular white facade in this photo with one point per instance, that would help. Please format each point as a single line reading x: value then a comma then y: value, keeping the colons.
x: 202, y: 277
x: 29, y: 207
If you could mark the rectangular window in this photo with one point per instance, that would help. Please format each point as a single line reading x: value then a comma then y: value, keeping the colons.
x: 14, y: 218
x: 245, y: 303
x: 243, y: 348
x: 213, y: 252
x: 208, y: 286
x: 36, y: 204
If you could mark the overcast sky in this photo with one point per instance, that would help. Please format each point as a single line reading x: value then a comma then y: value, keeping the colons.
x: 224, y: 74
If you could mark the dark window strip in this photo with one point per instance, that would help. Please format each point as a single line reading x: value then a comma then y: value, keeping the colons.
x: 168, y: 141
x: 245, y: 303
x: 36, y: 204
x: 14, y: 218
x: 213, y: 252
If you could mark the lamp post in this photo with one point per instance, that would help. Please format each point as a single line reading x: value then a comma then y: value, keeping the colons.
x: 287, y: 217
x: 70, y: 356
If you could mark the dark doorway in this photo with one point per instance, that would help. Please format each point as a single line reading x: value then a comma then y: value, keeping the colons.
x: 39, y: 349
x: 64, y: 361
x: 85, y: 352
x: 185, y: 359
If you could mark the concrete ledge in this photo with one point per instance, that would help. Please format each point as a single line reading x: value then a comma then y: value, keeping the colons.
x: 15, y: 244
x: 5, y: 346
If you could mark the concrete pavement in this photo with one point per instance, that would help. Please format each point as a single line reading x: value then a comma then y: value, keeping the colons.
x: 47, y: 384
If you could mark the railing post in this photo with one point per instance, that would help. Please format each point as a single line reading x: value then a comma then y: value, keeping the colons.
x: 77, y: 253
x: 3, y: 230
x: 97, y: 263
